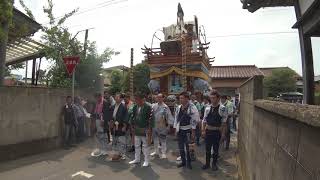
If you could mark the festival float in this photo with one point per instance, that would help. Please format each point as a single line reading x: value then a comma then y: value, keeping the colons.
x: 181, y: 62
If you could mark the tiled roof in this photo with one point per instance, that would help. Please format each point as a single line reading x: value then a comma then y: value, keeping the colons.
x: 120, y: 67
x: 241, y: 71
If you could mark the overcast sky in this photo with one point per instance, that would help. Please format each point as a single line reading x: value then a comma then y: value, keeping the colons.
x: 126, y: 24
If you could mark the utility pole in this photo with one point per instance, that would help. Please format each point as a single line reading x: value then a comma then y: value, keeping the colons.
x: 26, y: 75
x: 184, y: 55
x: 85, y: 43
x: 131, y: 74
x: 84, y: 53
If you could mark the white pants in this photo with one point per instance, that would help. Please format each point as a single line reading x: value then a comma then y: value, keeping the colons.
x: 101, y: 137
x: 137, y: 142
x: 119, y: 143
x: 158, y: 138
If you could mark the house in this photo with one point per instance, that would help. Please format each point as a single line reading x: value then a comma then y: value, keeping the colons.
x: 106, y: 73
x: 228, y: 79
x: 308, y: 25
x: 317, y: 83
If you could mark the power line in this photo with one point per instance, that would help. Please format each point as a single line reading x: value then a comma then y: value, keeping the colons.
x: 111, y: 2
x: 253, y: 34
x: 98, y: 6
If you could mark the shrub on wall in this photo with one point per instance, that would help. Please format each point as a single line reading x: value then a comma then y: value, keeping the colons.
x: 317, y: 98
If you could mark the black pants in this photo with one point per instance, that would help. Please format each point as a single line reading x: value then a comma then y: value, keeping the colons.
x: 80, y: 129
x: 69, y: 134
x: 198, y: 134
x: 106, y: 129
x: 234, y: 122
x: 212, y: 141
x: 184, y: 137
x: 228, y: 133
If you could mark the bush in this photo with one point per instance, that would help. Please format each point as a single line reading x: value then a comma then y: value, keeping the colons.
x: 317, y: 98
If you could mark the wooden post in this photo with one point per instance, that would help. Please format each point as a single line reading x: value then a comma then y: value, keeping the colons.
x: 85, y: 43
x: 184, y: 54
x: 131, y: 73
x: 38, y: 72
x: 307, y: 68
x: 33, y: 71
x: 26, y: 75
x: 307, y: 62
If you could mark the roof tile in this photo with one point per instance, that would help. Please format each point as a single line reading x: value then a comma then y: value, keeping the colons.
x: 235, y: 71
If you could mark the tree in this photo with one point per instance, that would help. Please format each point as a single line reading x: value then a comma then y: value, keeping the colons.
x: 6, y: 14
x: 116, y: 79
x: 9, y: 68
x: 281, y: 80
x: 61, y: 43
x: 141, y: 78
x: 41, y: 75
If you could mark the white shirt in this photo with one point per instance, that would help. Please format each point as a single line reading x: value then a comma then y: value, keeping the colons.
x: 229, y: 107
x: 194, y: 114
x: 112, y: 101
x: 139, y: 109
x: 162, y: 111
x: 222, y: 112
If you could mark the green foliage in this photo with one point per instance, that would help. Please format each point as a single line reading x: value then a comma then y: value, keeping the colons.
x: 317, y: 98
x: 6, y: 72
x: 28, y: 11
x: 116, y: 78
x: 42, y: 75
x: 281, y: 80
x: 61, y: 43
x: 107, y: 55
x: 58, y: 44
x: 141, y: 78
x: 125, y: 83
x: 8, y: 69
x: 58, y: 77
x: 91, y: 67
x: 6, y: 13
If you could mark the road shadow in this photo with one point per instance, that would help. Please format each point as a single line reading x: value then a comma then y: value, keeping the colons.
x: 144, y: 173
x: 54, y: 155
x: 226, y: 171
x: 115, y: 166
x: 195, y: 173
x: 164, y: 163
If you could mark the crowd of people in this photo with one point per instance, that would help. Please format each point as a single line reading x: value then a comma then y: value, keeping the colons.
x: 124, y: 125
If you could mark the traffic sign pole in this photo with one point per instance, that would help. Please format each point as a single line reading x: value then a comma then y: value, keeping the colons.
x: 71, y: 63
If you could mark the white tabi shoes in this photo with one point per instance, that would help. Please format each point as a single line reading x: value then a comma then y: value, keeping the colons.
x: 145, y: 164
x: 134, y: 162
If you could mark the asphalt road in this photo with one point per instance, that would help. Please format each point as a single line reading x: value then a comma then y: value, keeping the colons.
x: 77, y: 164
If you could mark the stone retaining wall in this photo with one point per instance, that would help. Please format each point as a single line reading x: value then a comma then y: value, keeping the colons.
x: 30, y: 120
x: 277, y: 141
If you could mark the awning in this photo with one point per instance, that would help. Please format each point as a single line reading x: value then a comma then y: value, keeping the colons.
x: 23, y: 49
x: 23, y: 26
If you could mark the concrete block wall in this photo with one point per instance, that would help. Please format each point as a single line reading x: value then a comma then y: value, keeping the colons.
x: 277, y: 141
x: 30, y: 120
